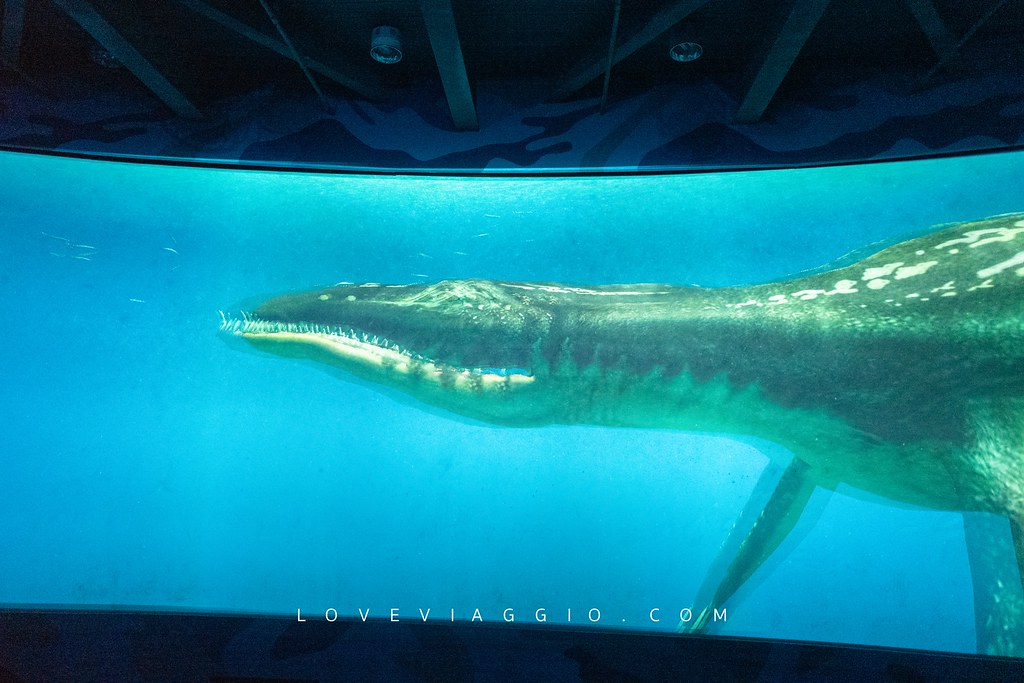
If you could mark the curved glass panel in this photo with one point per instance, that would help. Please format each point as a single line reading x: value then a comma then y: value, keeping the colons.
x: 496, y: 421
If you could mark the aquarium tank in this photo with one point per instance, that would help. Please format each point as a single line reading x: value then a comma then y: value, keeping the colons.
x: 441, y: 340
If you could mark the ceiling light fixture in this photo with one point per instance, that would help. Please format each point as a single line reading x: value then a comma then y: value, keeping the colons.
x: 685, y: 52
x: 386, y: 44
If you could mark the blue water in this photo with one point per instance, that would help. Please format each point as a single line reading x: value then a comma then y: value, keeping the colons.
x: 147, y: 461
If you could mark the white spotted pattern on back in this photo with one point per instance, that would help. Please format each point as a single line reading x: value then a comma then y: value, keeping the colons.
x: 877, y: 277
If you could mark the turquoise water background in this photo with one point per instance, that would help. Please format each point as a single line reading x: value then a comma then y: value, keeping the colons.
x: 148, y: 461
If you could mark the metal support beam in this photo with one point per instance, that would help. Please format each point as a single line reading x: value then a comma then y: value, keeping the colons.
x: 10, y: 37
x: 444, y: 40
x: 931, y: 23
x: 950, y: 52
x: 106, y: 35
x: 612, y: 39
x: 592, y: 67
x: 797, y: 28
x: 296, y: 57
x: 360, y: 86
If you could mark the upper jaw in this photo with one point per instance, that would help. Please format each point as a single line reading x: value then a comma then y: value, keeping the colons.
x: 356, y: 345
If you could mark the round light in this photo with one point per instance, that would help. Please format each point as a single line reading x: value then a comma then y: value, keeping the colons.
x: 386, y: 44
x: 685, y: 52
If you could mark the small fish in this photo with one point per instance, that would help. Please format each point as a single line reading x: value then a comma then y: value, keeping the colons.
x: 57, y: 237
x: 419, y: 275
x: 170, y: 249
x: 137, y: 301
x: 82, y: 258
x: 424, y: 255
x: 491, y: 215
x: 460, y: 253
x: 53, y: 253
x: 83, y: 246
x: 483, y: 234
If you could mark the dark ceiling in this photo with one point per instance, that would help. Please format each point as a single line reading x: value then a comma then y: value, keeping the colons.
x: 206, y: 50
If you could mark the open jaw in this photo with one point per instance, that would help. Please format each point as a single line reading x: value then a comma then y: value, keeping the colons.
x: 368, y: 354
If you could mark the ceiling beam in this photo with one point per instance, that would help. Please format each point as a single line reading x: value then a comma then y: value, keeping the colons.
x: 931, y: 23
x: 444, y: 40
x: 797, y: 28
x: 949, y: 53
x: 296, y: 57
x: 106, y: 35
x: 592, y: 67
x: 613, y: 37
x: 10, y: 33
x: 360, y: 85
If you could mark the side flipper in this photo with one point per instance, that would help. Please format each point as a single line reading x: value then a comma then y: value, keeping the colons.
x: 757, y: 533
x: 996, y: 577
x: 995, y: 549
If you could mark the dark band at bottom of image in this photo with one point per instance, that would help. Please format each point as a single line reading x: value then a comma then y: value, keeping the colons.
x: 54, y: 644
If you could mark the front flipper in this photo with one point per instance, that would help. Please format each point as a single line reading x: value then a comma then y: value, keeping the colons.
x: 995, y: 465
x: 998, y: 597
x: 756, y: 540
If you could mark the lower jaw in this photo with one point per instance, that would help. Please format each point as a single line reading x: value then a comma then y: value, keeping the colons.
x: 346, y: 353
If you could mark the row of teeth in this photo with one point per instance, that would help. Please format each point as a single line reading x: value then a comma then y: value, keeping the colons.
x: 247, y: 324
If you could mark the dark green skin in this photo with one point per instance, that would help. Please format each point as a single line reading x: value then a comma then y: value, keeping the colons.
x: 901, y: 375
x: 888, y: 393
